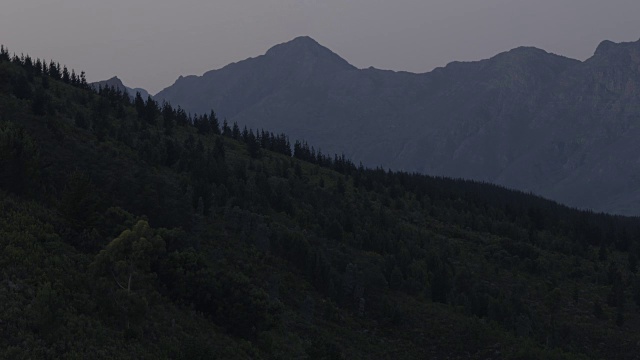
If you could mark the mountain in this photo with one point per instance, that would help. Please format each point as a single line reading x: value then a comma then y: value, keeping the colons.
x: 524, y: 119
x: 301, y: 62
x: 133, y: 230
x: 116, y: 83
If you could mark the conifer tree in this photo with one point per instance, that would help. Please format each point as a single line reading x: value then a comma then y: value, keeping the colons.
x: 214, y: 123
x: 4, y: 54
x: 140, y: 105
x: 54, y: 70
x: 38, y: 67
x: 168, y: 118
x: 226, y: 131
x: 235, y: 132
x: 66, y: 77
x: 83, y: 80
x: 151, y: 111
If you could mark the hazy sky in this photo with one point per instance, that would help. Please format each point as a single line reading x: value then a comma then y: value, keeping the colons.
x: 149, y: 43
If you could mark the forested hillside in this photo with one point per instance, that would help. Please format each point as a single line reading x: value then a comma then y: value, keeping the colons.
x: 131, y: 229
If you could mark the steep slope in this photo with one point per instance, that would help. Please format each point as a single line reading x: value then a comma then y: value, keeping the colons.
x: 586, y: 131
x: 575, y: 141
x: 511, y: 119
x: 241, y: 85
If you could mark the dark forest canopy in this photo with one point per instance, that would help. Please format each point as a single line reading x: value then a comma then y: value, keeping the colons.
x: 130, y: 228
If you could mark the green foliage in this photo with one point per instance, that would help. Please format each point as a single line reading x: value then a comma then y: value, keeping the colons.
x: 130, y: 254
x: 19, y: 167
x: 79, y: 201
x: 133, y: 230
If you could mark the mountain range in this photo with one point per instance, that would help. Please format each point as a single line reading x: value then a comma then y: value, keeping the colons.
x: 525, y: 119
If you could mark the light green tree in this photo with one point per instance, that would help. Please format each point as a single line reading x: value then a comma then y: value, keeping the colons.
x: 126, y: 263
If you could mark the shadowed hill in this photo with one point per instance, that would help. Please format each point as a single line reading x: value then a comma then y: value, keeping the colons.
x: 130, y: 229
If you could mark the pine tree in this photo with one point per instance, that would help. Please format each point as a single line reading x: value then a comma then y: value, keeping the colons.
x: 74, y: 78
x: 38, y: 67
x: 54, y: 70
x: 83, y: 80
x: 151, y: 111
x: 140, y: 105
x: 214, y: 123
x: 235, y: 132
x: 168, y: 118
x: 253, y: 146
x: 66, y: 77
x: 4, y: 54
x: 181, y: 117
x: 226, y: 131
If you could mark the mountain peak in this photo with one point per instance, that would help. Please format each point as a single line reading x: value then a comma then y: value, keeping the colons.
x: 523, y: 52
x: 527, y: 50
x: 115, y: 82
x: 300, y: 43
x: 604, y: 47
x: 533, y: 58
x: 610, y: 48
x: 304, y: 39
x: 307, y: 49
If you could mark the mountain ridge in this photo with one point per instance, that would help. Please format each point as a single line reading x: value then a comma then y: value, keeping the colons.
x: 115, y: 82
x: 524, y: 118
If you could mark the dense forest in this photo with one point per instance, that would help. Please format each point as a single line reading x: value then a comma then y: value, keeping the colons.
x: 132, y: 229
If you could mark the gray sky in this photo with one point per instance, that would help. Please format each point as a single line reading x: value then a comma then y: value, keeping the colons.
x: 149, y: 43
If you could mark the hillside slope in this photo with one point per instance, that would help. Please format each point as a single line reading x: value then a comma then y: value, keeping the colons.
x: 134, y: 231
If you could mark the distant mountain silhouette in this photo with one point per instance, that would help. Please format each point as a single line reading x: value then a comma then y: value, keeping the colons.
x: 115, y: 82
x: 525, y: 119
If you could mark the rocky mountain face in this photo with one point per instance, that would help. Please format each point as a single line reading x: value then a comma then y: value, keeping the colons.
x: 115, y: 82
x: 525, y: 119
